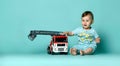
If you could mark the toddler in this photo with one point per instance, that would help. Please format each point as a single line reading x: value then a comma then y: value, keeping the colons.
x: 87, y: 36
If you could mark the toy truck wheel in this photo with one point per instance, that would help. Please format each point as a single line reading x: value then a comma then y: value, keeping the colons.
x: 48, y: 50
x: 52, y: 53
x: 65, y: 53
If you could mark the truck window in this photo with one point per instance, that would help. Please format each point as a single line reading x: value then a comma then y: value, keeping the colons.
x: 61, y: 40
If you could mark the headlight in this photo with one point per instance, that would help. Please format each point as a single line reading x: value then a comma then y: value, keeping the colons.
x: 66, y: 49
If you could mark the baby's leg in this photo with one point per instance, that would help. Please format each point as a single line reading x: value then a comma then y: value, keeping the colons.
x: 86, y: 52
x: 73, y: 51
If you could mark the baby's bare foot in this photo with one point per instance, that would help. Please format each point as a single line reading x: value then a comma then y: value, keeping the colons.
x: 81, y: 53
x: 73, y: 51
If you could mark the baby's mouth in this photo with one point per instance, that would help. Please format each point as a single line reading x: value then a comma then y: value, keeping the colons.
x: 85, y: 25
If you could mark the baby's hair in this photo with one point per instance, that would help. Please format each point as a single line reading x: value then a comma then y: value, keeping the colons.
x: 88, y: 13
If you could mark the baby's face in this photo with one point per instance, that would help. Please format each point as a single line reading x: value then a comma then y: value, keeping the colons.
x: 86, y: 21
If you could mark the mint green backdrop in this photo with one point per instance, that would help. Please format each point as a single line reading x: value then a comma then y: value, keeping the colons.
x: 18, y: 17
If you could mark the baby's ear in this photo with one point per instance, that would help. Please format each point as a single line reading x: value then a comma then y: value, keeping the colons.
x: 92, y: 21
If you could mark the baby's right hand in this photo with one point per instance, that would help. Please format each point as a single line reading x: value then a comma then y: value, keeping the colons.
x: 64, y: 33
x: 67, y: 33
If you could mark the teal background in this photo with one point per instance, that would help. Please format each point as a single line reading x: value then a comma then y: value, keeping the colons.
x: 18, y: 17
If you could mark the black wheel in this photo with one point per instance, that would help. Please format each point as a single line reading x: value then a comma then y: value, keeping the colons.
x: 48, y: 50
x: 64, y: 53
x: 52, y: 53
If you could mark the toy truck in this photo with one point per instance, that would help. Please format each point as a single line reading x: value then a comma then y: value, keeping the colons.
x: 58, y: 44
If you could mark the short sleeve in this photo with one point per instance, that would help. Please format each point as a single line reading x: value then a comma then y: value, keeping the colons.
x: 76, y: 31
x: 95, y: 34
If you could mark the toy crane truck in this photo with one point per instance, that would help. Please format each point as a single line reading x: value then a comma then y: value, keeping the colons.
x: 58, y: 44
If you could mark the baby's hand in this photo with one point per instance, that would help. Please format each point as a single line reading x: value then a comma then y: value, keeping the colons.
x: 67, y: 33
x: 64, y: 33
x: 97, y: 40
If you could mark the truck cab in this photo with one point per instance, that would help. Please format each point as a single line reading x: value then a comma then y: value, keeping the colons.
x: 58, y: 44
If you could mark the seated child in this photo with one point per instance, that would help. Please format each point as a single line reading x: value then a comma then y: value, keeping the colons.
x: 87, y: 36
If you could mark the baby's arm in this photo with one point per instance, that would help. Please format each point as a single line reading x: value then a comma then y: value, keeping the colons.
x: 97, y: 40
x: 68, y: 33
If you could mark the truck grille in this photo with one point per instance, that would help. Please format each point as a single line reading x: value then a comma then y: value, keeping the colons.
x: 60, y: 44
x: 60, y: 49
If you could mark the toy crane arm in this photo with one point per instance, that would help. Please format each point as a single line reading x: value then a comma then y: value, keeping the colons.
x: 34, y: 33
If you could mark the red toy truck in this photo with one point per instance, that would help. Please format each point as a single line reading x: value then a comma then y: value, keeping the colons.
x: 58, y: 44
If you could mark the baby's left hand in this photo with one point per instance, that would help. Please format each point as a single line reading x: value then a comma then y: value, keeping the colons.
x: 97, y: 40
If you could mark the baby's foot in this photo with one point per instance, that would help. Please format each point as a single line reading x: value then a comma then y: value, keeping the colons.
x: 73, y: 51
x: 81, y: 53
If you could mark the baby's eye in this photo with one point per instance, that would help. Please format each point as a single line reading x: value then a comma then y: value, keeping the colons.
x: 87, y: 20
x: 83, y: 20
